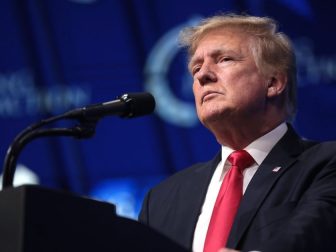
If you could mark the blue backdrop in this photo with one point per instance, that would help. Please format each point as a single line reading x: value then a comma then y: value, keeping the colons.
x: 60, y: 54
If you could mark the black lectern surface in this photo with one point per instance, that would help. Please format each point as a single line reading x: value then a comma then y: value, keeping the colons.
x: 36, y: 219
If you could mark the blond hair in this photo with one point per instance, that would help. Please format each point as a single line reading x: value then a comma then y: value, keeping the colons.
x: 272, y: 50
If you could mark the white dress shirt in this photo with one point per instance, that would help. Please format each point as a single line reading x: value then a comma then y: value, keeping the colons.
x: 258, y: 149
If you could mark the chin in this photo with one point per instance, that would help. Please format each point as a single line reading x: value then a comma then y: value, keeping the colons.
x: 213, y: 118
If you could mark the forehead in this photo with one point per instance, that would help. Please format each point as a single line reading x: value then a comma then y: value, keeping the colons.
x: 221, y: 41
x: 223, y: 38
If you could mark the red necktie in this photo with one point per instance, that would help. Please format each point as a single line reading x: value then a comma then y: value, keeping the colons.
x: 227, y: 202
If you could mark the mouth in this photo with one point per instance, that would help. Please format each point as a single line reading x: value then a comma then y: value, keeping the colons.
x: 208, y: 95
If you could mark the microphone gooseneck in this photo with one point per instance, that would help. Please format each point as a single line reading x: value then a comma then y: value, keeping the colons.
x: 126, y: 106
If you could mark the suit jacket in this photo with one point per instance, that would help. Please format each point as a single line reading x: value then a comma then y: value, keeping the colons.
x: 292, y: 209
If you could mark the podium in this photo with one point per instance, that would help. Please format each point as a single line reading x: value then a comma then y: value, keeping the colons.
x: 36, y: 219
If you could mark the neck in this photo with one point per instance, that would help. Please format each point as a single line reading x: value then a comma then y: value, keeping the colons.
x: 238, y: 137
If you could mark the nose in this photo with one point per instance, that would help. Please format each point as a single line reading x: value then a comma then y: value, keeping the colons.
x: 206, y: 75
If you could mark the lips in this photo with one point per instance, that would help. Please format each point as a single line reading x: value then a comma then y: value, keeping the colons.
x: 208, y: 95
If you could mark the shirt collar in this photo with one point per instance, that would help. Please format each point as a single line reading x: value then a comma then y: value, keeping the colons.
x: 260, y: 147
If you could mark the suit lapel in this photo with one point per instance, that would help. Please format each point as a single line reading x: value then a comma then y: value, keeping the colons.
x: 282, y: 155
x: 195, y: 190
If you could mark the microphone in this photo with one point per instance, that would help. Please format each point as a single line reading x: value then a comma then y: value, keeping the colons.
x: 128, y: 105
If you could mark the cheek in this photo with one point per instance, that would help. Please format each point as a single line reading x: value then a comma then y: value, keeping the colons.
x: 254, y: 97
x: 248, y: 82
x: 197, y: 97
x: 197, y: 92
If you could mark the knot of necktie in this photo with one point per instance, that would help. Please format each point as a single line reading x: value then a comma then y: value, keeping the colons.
x: 241, y: 158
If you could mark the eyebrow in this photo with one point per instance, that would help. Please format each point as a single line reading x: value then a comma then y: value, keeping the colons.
x: 194, y: 60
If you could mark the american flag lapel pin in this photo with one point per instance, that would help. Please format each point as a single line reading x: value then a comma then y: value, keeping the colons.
x: 276, y: 169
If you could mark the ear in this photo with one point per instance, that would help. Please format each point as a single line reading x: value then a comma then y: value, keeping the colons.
x: 276, y: 85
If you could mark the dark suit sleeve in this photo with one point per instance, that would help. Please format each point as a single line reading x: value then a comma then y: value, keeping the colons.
x: 143, y: 215
x: 312, y: 224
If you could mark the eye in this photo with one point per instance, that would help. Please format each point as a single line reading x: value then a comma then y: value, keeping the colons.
x: 195, y: 69
x: 225, y: 59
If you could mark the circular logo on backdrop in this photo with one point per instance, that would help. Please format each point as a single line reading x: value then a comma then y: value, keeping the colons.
x: 169, y: 106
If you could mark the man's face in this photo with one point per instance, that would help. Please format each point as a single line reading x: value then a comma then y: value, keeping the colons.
x: 227, y: 84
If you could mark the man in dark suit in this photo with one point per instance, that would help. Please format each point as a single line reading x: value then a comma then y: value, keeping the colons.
x: 244, y: 85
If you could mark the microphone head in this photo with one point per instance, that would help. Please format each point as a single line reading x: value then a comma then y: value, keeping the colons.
x: 138, y: 104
